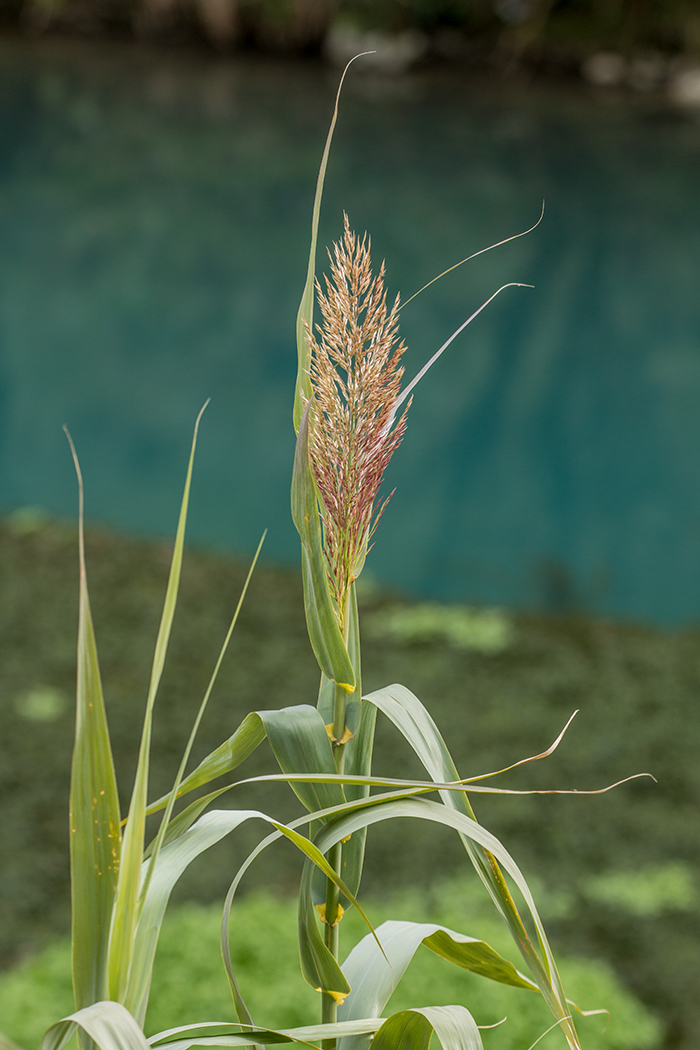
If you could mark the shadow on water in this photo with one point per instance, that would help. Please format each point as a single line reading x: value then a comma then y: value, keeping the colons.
x: 153, y: 225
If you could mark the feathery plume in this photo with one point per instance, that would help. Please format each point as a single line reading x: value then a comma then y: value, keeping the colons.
x: 356, y: 374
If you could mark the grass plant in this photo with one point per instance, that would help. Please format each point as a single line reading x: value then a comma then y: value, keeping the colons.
x: 349, y: 413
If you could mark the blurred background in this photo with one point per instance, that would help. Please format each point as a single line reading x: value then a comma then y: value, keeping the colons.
x: 157, y: 166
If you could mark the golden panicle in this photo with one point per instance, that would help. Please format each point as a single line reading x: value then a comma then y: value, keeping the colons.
x: 355, y: 378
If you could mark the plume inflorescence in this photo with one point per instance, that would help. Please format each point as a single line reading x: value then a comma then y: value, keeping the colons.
x: 356, y: 374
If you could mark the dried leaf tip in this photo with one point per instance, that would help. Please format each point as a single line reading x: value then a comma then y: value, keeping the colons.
x: 356, y: 372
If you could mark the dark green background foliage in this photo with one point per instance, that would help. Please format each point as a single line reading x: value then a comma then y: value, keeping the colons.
x: 636, y: 690
x: 563, y: 30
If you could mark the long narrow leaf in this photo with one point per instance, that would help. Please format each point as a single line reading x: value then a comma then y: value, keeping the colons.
x: 306, y: 306
x: 142, y: 953
x: 172, y: 862
x: 306, y: 1035
x: 126, y: 906
x: 321, y: 618
x: 473, y: 833
x: 314, y: 855
x: 374, y: 976
x: 416, y: 725
x: 249, y: 735
x: 95, y: 839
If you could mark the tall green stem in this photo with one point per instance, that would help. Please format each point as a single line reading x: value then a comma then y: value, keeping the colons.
x: 329, y: 1006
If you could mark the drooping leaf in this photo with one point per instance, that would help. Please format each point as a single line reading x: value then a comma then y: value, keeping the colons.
x: 186, y: 818
x: 315, y: 970
x: 108, y: 1024
x: 413, y: 1029
x: 249, y: 735
x: 95, y: 839
x: 418, y: 728
x: 374, y: 976
x: 319, y: 967
x: 470, y: 831
x: 172, y: 861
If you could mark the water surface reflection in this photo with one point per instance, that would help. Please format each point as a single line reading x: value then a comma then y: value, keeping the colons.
x: 154, y: 220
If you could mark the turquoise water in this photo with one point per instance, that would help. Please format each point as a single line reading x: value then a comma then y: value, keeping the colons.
x: 154, y: 219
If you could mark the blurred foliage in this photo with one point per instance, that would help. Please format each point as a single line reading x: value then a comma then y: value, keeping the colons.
x: 636, y: 690
x: 485, y: 630
x: 189, y: 983
x: 564, y: 29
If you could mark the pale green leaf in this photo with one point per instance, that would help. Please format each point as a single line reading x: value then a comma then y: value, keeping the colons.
x: 108, y: 1024
x: 470, y: 831
x: 242, y: 1035
x: 413, y: 1029
x: 173, y: 860
x: 418, y: 728
x: 374, y: 975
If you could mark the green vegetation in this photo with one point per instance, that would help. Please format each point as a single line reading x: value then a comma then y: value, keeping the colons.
x: 636, y: 690
x: 189, y: 982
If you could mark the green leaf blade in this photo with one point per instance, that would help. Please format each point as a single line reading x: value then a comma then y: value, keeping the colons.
x: 413, y: 1029
x: 325, y: 635
x: 125, y: 915
x: 95, y: 834
x: 108, y: 1024
x: 300, y: 743
x: 418, y: 728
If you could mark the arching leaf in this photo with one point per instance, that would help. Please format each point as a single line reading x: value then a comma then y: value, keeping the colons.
x: 413, y: 1029
x: 108, y: 1024
x: 418, y: 728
